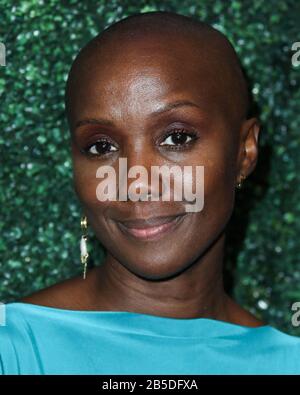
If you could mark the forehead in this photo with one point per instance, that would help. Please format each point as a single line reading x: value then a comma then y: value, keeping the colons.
x: 141, y: 75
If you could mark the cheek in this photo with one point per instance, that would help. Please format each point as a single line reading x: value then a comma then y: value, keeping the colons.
x: 219, y: 159
x: 85, y: 181
x: 219, y: 182
x: 85, y: 185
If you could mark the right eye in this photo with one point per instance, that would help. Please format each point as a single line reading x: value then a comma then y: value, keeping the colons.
x: 101, y: 147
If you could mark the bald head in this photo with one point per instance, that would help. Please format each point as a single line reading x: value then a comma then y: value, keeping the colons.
x: 161, y: 35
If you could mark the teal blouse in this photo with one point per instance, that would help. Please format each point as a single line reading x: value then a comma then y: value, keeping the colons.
x: 46, y: 340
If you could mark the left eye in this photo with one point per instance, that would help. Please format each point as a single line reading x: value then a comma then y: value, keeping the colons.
x: 101, y: 147
x: 178, y: 138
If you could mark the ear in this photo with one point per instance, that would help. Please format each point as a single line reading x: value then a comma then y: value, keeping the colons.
x: 248, y: 148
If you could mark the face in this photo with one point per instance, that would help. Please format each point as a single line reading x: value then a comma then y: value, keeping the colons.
x: 154, y: 106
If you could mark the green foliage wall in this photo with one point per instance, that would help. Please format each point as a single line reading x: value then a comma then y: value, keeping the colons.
x: 39, y: 223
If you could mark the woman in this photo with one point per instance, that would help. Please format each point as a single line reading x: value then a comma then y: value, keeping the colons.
x: 158, y: 89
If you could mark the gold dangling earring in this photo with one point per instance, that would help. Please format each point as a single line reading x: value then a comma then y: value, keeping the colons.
x: 83, y: 245
x: 240, y: 183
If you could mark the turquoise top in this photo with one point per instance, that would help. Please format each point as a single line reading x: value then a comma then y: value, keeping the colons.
x: 46, y: 340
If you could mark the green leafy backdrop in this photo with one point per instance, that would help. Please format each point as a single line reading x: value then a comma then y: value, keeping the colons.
x: 40, y: 215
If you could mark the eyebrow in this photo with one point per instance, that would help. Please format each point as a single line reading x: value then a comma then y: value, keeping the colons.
x: 165, y: 108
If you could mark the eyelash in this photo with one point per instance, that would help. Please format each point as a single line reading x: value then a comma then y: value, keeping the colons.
x: 182, y: 131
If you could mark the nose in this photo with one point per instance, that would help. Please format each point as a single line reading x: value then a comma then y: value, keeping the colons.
x: 148, y: 193
x: 143, y: 184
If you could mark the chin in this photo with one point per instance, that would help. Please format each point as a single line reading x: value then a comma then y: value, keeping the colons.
x: 152, y: 268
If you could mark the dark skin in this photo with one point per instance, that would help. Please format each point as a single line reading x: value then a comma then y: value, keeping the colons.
x: 180, y: 274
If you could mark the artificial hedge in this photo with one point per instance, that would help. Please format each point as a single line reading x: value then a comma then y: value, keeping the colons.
x: 40, y: 214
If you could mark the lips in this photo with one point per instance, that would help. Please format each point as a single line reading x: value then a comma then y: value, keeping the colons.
x: 151, y: 228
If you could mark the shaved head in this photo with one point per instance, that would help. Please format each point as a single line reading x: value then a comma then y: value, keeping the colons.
x: 160, y: 89
x: 161, y: 34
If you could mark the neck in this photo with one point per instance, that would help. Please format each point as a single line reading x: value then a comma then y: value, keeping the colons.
x: 196, y: 292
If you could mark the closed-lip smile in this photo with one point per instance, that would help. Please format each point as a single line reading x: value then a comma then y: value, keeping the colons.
x: 151, y: 228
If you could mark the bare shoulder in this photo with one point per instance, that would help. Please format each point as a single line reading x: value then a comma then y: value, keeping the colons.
x: 240, y: 316
x: 68, y: 294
